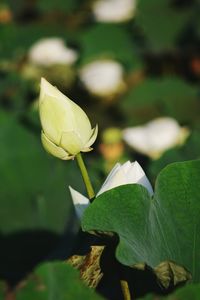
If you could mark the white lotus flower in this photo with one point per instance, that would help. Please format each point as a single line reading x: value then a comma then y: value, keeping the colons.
x: 49, y: 51
x: 155, y: 137
x: 114, y: 10
x: 66, y: 129
x: 121, y: 174
x: 103, y: 77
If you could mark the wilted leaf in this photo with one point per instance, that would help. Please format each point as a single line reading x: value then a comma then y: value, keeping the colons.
x: 89, y: 266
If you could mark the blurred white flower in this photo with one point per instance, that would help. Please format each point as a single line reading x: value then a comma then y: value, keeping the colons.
x: 114, y: 10
x: 155, y: 137
x: 66, y: 129
x: 128, y: 173
x: 103, y: 77
x: 49, y: 51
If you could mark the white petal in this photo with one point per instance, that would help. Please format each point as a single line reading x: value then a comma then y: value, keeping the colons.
x: 135, y: 172
x: 53, y: 149
x: 126, y: 174
x: 110, y: 175
x: 137, y: 175
x: 80, y: 202
x: 126, y: 167
x: 116, y: 180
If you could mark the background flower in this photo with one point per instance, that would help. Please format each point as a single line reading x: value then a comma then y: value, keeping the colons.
x: 114, y: 10
x: 49, y: 51
x: 155, y: 137
x: 103, y: 77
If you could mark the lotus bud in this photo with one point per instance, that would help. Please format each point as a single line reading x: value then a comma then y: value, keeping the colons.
x: 66, y: 129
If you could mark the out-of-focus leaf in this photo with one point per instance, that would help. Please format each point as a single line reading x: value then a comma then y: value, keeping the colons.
x: 33, y: 186
x: 55, y: 281
x: 169, y: 96
x: 15, y: 92
x: 158, y: 229
x: 161, y: 23
x: 59, y: 5
x: 112, y: 41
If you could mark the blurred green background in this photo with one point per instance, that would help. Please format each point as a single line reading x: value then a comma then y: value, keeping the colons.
x: 156, y: 46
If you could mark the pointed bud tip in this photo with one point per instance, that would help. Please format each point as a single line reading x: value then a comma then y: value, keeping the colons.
x: 44, y: 84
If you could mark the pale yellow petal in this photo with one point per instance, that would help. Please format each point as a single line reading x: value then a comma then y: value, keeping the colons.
x: 59, y: 114
x: 71, y: 142
x: 47, y: 89
x: 53, y: 149
x: 93, y: 137
x: 86, y: 149
x: 81, y: 122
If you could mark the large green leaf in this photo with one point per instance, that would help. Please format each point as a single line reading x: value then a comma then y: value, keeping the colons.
x: 55, y: 281
x: 166, y: 227
x: 187, y: 292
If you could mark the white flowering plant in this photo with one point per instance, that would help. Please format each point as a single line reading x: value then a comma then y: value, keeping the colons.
x: 127, y: 223
x: 99, y: 162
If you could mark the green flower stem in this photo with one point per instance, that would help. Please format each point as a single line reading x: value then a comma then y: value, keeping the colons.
x: 125, y: 290
x: 85, y: 176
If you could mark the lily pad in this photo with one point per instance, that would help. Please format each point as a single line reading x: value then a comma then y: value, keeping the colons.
x: 55, y: 280
x: 165, y: 228
x: 187, y: 292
